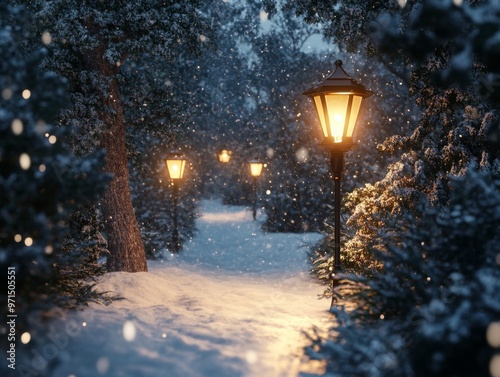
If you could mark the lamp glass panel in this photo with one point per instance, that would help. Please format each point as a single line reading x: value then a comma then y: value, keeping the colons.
x: 356, y: 105
x: 321, y: 114
x: 176, y: 168
x: 337, y: 109
x: 255, y: 168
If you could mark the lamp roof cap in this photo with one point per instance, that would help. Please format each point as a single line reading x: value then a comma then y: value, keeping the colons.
x: 338, y: 82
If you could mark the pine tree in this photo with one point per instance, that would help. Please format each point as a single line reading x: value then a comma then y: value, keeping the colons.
x: 42, y: 182
x: 426, y: 313
x: 90, y: 41
x: 423, y: 236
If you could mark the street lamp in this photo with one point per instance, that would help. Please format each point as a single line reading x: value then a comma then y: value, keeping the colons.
x: 338, y: 102
x: 224, y: 155
x: 175, y: 163
x: 255, y: 171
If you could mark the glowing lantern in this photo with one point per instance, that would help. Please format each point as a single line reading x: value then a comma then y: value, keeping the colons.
x: 338, y: 102
x: 255, y: 168
x: 175, y: 165
x: 224, y: 155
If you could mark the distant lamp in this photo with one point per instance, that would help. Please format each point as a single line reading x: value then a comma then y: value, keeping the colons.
x: 175, y: 163
x: 224, y: 155
x: 255, y: 172
x: 255, y: 168
x: 338, y: 102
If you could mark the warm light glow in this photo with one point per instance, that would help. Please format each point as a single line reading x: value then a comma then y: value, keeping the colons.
x: 255, y: 168
x: 52, y: 139
x: 333, y: 111
x: 336, y: 107
x: 175, y: 166
x: 26, y: 94
x: 337, y: 127
x: 224, y: 155
x: 18, y: 238
x: 28, y: 241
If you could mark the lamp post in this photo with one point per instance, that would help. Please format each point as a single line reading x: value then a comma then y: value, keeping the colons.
x: 255, y: 171
x: 224, y: 155
x: 175, y: 163
x: 338, y: 102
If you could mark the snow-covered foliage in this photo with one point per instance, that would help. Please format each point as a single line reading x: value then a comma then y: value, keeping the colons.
x: 426, y: 313
x: 455, y: 126
x: 427, y: 226
x: 83, y: 246
x: 250, y: 101
x: 110, y: 54
x: 153, y: 196
x: 41, y: 181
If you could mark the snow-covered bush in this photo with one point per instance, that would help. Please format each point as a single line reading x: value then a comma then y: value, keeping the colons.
x: 426, y: 311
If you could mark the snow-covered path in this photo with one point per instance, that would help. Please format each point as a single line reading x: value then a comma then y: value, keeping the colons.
x: 233, y: 303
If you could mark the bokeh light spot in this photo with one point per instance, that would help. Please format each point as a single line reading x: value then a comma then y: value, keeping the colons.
x: 46, y: 38
x: 495, y: 366
x: 7, y: 94
x: 251, y: 357
x: 129, y: 331
x: 25, y: 337
x: 102, y: 365
x: 17, y: 127
x: 25, y: 161
x: 493, y: 334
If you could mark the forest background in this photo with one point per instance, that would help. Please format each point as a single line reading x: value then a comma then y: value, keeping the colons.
x: 112, y: 88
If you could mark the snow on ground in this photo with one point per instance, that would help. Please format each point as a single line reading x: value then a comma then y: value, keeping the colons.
x: 233, y: 303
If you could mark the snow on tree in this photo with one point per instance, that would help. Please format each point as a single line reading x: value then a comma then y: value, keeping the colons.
x: 426, y: 313
x: 42, y: 182
x: 424, y: 229
x: 90, y: 42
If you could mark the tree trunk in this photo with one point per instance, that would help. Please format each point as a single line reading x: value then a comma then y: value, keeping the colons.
x: 123, y: 235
